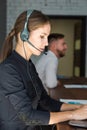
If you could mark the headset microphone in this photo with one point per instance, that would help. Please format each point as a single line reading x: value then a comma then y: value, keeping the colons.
x: 45, y: 52
x: 36, y: 47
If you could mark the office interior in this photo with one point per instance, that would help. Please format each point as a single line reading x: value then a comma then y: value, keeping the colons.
x: 74, y: 27
x: 73, y: 63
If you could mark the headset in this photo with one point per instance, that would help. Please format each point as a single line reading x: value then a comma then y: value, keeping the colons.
x: 25, y: 33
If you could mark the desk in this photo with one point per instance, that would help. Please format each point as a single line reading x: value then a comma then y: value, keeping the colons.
x: 75, y: 80
x: 65, y: 126
x: 69, y: 93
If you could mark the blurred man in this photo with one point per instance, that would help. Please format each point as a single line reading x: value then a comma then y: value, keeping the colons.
x: 47, y: 65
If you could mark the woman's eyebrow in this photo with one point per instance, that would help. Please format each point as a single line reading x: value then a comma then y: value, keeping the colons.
x: 45, y: 34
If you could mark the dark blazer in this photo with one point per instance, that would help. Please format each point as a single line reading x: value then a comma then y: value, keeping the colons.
x: 27, y: 102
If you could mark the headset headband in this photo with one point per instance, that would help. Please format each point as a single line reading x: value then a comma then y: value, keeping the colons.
x: 25, y: 33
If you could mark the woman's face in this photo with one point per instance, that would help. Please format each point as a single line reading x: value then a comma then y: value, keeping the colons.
x: 39, y: 39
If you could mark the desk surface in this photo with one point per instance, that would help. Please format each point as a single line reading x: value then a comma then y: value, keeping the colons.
x: 65, y: 126
x: 69, y: 93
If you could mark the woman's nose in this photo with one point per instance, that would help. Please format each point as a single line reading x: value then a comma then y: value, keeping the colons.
x: 46, y: 42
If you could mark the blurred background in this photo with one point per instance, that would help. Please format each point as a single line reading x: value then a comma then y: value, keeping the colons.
x: 67, y: 16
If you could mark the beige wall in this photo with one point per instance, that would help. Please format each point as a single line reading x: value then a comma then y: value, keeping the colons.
x: 67, y: 28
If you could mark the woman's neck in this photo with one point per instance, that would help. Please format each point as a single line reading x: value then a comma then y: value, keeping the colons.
x: 23, y: 51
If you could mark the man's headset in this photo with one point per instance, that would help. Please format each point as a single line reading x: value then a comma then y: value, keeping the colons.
x: 25, y: 33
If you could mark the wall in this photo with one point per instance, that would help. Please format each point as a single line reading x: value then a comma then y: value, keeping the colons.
x: 51, y: 7
x: 67, y: 28
x: 2, y: 21
x: 86, y: 49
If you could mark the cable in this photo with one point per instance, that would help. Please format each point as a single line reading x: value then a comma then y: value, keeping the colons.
x: 28, y: 70
x: 53, y: 127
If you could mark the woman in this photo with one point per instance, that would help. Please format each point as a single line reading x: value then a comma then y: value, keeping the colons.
x: 26, y: 103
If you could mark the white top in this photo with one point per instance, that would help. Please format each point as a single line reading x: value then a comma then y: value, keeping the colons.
x: 47, y: 69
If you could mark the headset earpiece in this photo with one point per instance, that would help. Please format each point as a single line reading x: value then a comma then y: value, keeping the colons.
x: 25, y: 33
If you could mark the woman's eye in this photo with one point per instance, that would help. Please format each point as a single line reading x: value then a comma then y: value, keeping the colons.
x: 41, y: 37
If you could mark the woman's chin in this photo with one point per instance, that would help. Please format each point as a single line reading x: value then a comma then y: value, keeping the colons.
x: 37, y: 54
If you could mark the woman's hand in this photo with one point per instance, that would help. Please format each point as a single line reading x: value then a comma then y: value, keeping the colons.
x: 80, y: 114
x: 68, y: 107
x: 76, y: 114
